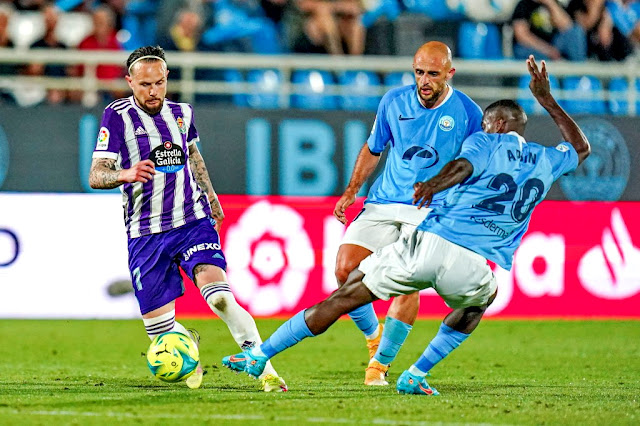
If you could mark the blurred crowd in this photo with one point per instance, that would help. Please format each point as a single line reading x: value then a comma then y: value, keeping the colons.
x: 574, y: 30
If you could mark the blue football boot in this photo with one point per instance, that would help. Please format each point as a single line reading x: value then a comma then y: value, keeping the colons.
x: 235, y: 363
x: 414, y: 385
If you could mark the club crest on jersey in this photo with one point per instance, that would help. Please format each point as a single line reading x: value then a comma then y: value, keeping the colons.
x: 168, y: 157
x: 181, y: 126
x: 446, y: 123
x: 103, y: 139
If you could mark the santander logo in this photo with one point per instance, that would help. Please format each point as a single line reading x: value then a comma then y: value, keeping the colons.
x: 611, y: 270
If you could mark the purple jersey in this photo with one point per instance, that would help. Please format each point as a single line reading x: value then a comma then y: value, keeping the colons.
x: 173, y: 197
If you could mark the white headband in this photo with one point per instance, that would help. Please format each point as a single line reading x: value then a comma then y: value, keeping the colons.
x: 145, y: 57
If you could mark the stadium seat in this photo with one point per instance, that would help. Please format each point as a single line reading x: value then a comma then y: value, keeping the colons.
x: 73, y: 27
x: 66, y: 5
x: 479, y: 41
x: 233, y: 23
x: 526, y: 99
x: 234, y: 76
x: 26, y: 28
x: 618, y: 104
x: 389, y: 9
x: 139, y: 24
x: 265, y: 89
x: 397, y: 79
x: 360, y: 90
x: 313, y: 89
x: 583, y: 95
x: 436, y: 10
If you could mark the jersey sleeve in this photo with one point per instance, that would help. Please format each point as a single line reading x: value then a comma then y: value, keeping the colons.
x: 110, y: 135
x: 476, y: 150
x: 192, y: 133
x: 474, y: 116
x: 475, y: 120
x: 380, y: 132
x: 563, y: 159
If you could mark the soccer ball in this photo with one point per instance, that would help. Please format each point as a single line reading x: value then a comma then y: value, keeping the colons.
x: 172, y: 356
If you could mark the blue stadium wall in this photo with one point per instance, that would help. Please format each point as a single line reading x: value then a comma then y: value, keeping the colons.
x: 283, y: 152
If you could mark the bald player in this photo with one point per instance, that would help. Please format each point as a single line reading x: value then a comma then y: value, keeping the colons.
x: 424, y: 124
x: 497, y: 179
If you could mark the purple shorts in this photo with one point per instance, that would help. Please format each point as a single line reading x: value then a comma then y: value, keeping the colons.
x: 154, y: 261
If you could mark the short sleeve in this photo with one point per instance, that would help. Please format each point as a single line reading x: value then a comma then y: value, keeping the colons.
x: 110, y: 135
x: 380, y: 132
x: 476, y: 150
x: 563, y: 159
x: 474, y: 112
x: 192, y: 133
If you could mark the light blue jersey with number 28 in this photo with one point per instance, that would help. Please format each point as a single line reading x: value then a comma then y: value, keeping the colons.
x: 489, y: 212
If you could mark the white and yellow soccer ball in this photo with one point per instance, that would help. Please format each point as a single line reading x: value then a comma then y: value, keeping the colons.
x: 172, y: 356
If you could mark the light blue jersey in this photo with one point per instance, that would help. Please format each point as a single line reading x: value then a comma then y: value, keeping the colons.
x: 489, y: 212
x: 422, y: 140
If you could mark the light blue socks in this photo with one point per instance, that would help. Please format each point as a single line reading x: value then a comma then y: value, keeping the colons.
x: 365, y: 318
x: 442, y: 345
x: 287, y: 335
x: 393, y: 336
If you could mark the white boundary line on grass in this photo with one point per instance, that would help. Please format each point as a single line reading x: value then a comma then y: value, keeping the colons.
x: 239, y: 417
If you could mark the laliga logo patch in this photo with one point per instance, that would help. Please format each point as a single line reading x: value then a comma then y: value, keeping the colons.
x: 168, y: 157
x: 270, y: 253
x: 103, y: 139
x: 446, y: 123
x: 181, y: 126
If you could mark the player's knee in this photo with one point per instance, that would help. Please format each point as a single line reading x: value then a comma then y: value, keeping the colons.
x: 341, y: 275
x: 343, y: 269
x: 407, y: 300
x: 492, y: 298
x: 206, y: 273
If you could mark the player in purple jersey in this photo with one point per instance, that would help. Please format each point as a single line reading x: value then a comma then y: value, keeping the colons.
x: 424, y: 126
x: 426, y: 259
x: 147, y: 147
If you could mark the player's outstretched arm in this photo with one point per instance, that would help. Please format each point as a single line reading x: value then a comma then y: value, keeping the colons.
x: 201, y: 175
x: 365, y: 165
x: 453, y: 173
x: 539, y: 86
x: 104, y: 175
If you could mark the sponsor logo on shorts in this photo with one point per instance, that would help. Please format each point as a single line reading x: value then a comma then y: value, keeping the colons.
x: 200, y: 247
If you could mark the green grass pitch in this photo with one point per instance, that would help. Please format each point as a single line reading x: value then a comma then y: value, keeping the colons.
x: 508, y: 372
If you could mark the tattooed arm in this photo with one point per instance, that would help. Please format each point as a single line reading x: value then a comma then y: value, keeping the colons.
x: 104, y: 175
x: 196, y: 162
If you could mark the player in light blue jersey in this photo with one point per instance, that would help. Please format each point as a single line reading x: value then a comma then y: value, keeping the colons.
x: 423, y: 125
x: 496, y: 181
